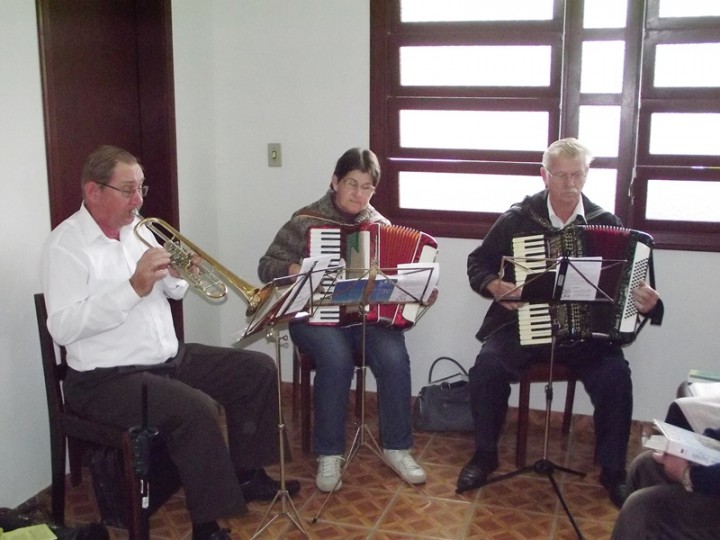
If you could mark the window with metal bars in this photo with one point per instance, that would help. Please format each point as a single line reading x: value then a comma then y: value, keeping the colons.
x: 466, y: 95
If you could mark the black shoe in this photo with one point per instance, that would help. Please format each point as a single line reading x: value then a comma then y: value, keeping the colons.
x: 614, y: 484
x: 209, y: 530
x: 263, y: 488
x: 472, y: 476
x: 222, y: 534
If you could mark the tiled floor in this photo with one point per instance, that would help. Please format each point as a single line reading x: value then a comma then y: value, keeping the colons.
x: 375, y: 503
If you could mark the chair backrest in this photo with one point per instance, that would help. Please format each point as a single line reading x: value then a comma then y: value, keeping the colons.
x: 54, y: 364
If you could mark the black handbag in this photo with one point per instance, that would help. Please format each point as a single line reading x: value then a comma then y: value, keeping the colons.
x: 443, y: 405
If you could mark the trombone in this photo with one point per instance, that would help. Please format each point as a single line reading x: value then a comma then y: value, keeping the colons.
x: 209, y: 278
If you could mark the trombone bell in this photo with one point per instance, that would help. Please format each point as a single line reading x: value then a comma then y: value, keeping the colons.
x: 209, y: 278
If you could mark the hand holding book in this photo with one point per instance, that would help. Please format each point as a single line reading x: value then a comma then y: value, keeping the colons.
x: 674, y: 466
x: 684, y: 444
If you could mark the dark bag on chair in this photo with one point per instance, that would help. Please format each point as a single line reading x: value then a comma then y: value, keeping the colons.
x: 443, y: 405
x: 106, y: 467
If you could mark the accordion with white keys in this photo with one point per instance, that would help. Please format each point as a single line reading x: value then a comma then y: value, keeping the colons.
x: 360, y: 246
x: 615, y: 320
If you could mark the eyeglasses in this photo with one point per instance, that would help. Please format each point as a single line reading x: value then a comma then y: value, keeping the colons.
x: 129, y: 192
x: 353, y: 185
x: 577, y: 176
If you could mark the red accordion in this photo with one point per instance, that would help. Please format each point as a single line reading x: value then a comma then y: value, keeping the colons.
x: 362, y: 246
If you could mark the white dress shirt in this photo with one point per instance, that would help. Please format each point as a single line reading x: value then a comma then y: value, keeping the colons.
x: 559, y: 223
x: 93, y: 310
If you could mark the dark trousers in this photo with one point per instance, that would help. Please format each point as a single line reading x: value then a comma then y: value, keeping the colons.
x: 600, y: 366
x: 183, y: 398
x: 676, y: 417
x: 661, y: 509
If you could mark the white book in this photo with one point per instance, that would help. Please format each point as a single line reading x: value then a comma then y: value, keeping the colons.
x: 686, y: 444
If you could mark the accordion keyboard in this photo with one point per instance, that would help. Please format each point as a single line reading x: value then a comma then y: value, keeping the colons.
x: 326, y: 241
x: 534, y: 320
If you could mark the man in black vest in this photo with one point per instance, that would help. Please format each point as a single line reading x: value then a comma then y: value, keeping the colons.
x: 600, y: 365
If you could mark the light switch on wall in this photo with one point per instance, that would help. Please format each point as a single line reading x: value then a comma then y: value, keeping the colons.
x: 274, y: 155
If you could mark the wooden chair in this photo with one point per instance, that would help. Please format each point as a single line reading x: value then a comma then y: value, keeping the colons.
x: 303, y: 364
x: 539, y: 372
x: 72, y: 437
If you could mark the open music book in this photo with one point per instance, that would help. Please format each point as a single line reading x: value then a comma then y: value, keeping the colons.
x: 686, y: 444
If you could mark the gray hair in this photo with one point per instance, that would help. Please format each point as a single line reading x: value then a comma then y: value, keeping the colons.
x: 569, y: 148
x: 100, y: 165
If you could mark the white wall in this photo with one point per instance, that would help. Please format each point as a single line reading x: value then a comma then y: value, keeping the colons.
x: 195, y: 125
x: 24, y: 223
x: 250, y: 72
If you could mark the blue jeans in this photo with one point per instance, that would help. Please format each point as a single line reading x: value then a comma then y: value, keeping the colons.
x: 332, y: 350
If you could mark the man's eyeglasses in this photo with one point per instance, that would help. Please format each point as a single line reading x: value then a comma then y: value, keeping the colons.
x: 129, y: 192
x: 353, y: 185
x: 577, y: 176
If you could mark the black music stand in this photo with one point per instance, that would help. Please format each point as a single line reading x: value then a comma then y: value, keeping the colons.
x: 373, y: 287
x: 289, y: 306
x: 546, y: 286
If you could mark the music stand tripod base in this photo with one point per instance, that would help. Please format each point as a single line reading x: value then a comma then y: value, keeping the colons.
x: 544, y: 465
x: 275, y: 315
x: 359, y: 439
x: 359, y: 297
x: 547, y: 294
x: 287, y: 507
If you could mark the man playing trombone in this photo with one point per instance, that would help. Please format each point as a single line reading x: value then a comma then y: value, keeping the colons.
x: 107, y: 300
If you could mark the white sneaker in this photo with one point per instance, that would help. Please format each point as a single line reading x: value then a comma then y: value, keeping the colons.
x: 328, y: 474
x: 405, y: 465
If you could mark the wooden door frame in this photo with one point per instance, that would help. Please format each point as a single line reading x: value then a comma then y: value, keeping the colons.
x: 150, y: 131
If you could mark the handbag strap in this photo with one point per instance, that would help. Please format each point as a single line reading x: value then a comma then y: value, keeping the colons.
x: 463, y: 371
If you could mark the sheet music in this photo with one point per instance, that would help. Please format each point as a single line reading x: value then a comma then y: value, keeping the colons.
x: 580, y: 281
x: 316, y: 267
x: 415, y: 281
x: 352, y: 291
x: 294, y: 298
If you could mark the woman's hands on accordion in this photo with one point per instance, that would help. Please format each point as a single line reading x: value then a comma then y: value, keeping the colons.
x: 645, y: 297
x: 293, y: 269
